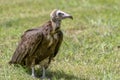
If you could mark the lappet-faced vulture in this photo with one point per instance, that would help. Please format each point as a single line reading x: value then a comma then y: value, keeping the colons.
x: 40, y: 45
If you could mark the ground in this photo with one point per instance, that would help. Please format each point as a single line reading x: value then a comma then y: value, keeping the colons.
x: 91, y: 45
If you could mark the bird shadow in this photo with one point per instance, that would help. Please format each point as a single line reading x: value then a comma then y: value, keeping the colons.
x: 62, y: 75
x: 59, y: 75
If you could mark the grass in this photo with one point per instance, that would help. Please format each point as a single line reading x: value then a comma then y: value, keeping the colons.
x: 91, y: 46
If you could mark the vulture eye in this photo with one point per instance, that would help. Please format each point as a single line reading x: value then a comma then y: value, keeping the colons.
x: 60, y: 14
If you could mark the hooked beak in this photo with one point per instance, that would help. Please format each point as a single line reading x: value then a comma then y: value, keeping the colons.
x: 67, y: 16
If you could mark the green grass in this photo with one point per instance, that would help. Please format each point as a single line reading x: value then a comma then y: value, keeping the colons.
x: 91, y: 46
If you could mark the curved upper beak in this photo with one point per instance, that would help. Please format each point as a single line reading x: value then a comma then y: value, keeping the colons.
x: 67, y: 16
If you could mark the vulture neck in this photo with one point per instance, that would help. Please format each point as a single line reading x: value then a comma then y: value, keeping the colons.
x: 55, y: 25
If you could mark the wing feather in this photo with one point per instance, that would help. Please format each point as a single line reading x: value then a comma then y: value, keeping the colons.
x: 27, y: 46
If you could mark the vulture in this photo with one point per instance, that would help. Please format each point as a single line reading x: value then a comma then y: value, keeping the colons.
x: 38, y: 46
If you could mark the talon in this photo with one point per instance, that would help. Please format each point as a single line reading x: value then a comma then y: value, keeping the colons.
x: 43, y: 78
x: 33, y: 76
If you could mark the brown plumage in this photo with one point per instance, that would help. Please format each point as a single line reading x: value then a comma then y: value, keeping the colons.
x: 40, y: 45
x: 37, y: 44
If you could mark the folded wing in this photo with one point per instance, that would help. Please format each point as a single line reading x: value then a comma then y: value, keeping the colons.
x: 27, y: 46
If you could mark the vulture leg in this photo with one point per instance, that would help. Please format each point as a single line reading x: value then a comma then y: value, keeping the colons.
x: 33, y: 68
x: 43, y: 73
x: 33, y: 72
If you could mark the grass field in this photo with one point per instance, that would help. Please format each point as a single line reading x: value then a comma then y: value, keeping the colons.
x: 91, y: 46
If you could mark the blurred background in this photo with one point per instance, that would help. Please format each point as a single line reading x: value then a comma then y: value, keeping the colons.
x: 91, y: 45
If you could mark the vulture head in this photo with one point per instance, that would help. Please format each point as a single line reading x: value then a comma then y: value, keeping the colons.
x: 57, y: 15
